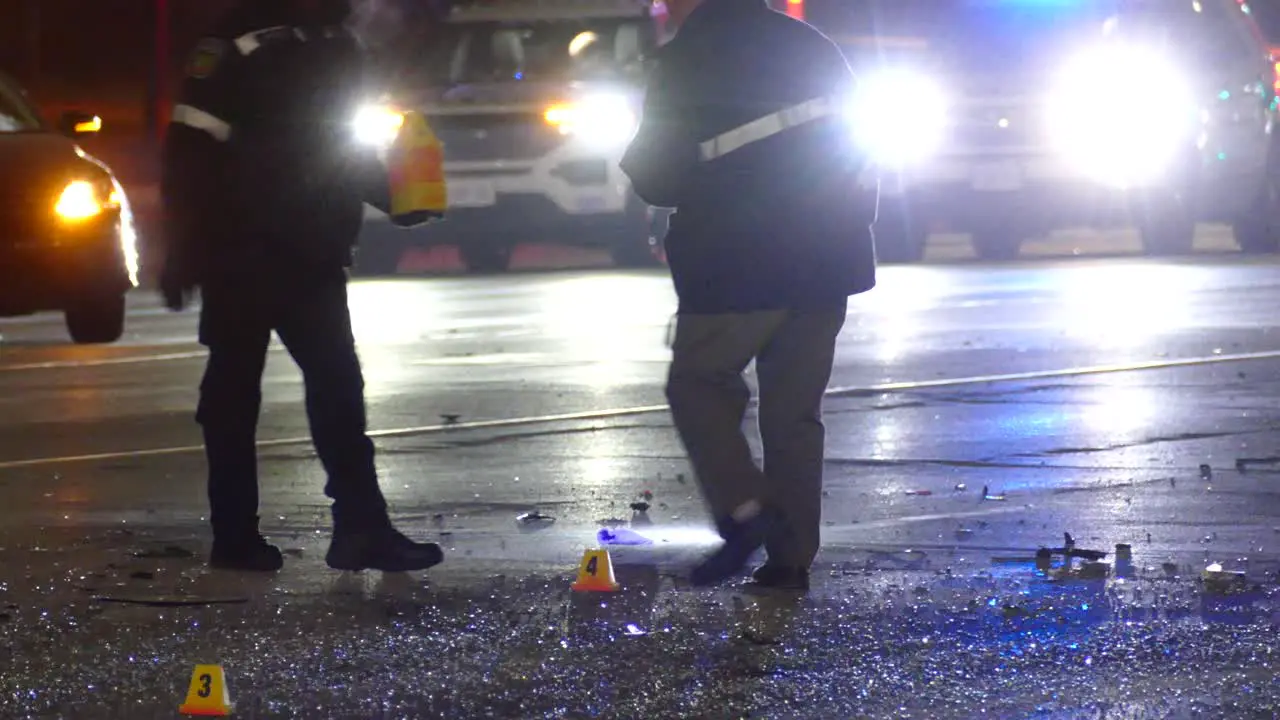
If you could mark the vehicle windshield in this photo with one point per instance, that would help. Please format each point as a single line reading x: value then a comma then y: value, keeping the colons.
x: 1003, y: 35
x: 557, y: 50
x: 16, y: 115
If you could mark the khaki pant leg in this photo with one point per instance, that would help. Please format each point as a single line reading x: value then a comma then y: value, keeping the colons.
x: 709, y: 398
x: 794, y: 369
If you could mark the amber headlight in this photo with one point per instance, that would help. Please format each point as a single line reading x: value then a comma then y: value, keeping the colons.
x: 82, y: 200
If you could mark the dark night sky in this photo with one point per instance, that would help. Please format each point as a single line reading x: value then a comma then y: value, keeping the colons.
x: 103, y: 46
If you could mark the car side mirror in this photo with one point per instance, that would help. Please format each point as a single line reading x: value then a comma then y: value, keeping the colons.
x: 78, y: 123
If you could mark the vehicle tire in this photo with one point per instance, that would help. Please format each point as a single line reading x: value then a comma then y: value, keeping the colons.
x: 1167, y: 227
x: 378, y: 259
x: 998, y: 243
x: 898, y: 237
x: 96, y: 320
x: 1257, y: 231
x: 486, y: 256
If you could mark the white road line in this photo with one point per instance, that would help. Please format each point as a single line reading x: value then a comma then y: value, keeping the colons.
x: 100, y: 362
x: 651, y: 409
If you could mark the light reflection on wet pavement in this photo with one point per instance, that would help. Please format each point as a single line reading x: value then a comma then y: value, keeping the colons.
x: 926, y: 600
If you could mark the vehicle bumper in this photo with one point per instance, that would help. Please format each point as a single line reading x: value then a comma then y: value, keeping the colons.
x: 958, y: 194
x: 569, y: 196
x: 49, y: 273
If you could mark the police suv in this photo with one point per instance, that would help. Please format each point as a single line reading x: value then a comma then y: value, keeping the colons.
x: 1008, y: 119
x: 534, y: 102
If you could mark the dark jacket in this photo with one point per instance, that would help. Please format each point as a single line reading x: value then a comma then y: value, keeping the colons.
x: 260, y: 165
x: 774, y: 224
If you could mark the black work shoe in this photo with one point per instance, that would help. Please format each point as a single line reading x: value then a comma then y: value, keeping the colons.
x: 384, y: 549
x: 741, y: 541
x: 252, y: 553
x: 781, y: 577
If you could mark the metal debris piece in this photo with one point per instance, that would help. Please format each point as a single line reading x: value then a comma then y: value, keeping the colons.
x: 1094, y: 570
x: 961, y: 487
x: 1242, y: 464
x: 534, y: 521
x: 168, y: 552
x: 919, y: 492
x: 170, y: 600
x: 1217, y: 580
x: 1012, y: 560
x: 963, y: 533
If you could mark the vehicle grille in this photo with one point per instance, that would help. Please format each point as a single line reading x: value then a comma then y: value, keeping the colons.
x: 996, y: 126
x: 488, y: 136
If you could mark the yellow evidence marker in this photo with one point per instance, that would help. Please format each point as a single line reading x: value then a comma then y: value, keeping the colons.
x: 208, y: 695
x: 595, y: 574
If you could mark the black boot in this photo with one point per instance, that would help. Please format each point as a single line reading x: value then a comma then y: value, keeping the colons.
x: 741, y: 540
x: 781, y: 577
x: 379, y: 546
x: 248, y: 551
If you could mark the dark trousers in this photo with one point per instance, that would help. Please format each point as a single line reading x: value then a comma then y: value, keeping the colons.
x: 794, y: 353
x: 308, y: 310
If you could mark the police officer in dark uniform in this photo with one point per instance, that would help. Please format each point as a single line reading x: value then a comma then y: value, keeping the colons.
x: 263, y: 186
x: 744, y: 134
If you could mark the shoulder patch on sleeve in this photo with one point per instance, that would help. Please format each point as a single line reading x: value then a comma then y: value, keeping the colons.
x: 206, y: 58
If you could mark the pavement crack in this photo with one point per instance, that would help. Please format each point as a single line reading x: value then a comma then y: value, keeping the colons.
x: 1178, y: 437
x: 513, y: 437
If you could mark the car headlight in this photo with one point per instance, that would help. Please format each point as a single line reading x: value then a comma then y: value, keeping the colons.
x: 1121, y: 114
x: 605, y: 120
x: 82, y: 200
x: 898, y: 117
x: 377, y: 125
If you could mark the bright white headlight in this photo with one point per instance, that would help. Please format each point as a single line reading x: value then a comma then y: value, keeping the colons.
x: 377, y: 125
x: 899, y: 116
x: 598, y: 119
x: 1121, y: 114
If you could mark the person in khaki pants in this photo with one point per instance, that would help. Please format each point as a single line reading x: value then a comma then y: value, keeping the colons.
x: 770, y: 237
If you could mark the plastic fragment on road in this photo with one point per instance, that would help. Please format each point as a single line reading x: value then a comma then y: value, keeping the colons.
x: 1217, y: 580
x: 919, y: 492
x: 634, y: 630
x: 208, y: 695
x: 534, y: 521
x: 621, y: 536
x: 595, y: 573
x: 986, y: 495
x: 168, y: 552
x: 961, y: 487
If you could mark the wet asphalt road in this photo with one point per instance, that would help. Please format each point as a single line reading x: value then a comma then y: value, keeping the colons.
x: 1086, y: 393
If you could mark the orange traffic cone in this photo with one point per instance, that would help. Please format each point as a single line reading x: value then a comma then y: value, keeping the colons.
x: 595, y: 574
x: 416, y: 165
